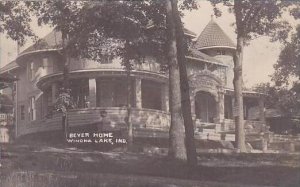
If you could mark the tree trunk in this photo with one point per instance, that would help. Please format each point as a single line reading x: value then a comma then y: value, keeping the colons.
x: 66, y: 85
x: 177, y: 149
x: 128, y: 117
x: 238, y: 95
x: 185, y: 97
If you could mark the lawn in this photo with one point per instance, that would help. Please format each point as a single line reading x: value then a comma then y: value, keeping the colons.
x: 42, y: 166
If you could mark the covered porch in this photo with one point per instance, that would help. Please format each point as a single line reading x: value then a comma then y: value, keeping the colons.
x: 149, y: 94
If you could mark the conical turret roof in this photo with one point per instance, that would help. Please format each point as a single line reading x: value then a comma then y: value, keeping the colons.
x: 213, y: 36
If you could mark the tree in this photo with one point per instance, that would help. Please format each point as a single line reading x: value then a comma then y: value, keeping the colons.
x: 252, y: 19
x: 184, y: 83
x: 63, y: 16
x: 15, y: 19
x: 176, y: 134
x: 287, y: 67
x: 282, y: 98
x: 127, y: 23
x: 129, y: 30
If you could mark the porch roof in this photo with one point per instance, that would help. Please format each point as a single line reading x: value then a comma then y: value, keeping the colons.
x: 248, y: 93
x: 198, y: 55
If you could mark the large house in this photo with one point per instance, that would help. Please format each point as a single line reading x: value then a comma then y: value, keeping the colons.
x: 6, y: 108
x: 101, y: 86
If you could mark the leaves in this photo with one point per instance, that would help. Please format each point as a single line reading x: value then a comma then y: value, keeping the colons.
x: 282, y: 98
x: 14, y: 21
x: 256, y: 18
x: 287, y: 67
x: 64, y: 101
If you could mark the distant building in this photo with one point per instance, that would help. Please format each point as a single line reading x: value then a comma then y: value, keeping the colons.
x: 6, y: 108
x: 101, y: 86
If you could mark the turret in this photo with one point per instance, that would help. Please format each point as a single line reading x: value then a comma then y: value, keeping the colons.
x: 214, y: 42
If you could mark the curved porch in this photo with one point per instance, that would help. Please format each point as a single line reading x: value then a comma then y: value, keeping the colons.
x: 141, y: 119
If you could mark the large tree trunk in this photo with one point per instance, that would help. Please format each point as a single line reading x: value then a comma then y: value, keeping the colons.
x: 177, y: 149
x: 238, y: 96
x: 238, y: 79
x: 185, y: 97
x: 66, y: 85
x: 128, y: 117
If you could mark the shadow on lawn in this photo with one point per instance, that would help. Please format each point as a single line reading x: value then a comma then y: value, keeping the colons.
x: 85, y: 165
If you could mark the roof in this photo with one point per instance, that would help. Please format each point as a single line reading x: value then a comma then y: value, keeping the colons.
x: 203, y: 57
x: 273, y: 113
x: 189, y: 33
x: 213, y: 36
x: 246, y: 92
x: 10, y: 66
x: 51, y: 41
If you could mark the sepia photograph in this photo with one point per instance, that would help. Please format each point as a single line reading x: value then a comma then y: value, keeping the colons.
x: 150, y: 93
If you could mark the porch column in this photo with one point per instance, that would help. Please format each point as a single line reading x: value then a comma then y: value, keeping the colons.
x: 165, y: 97
x: 233, y: 108
x: 92, y: 98
x: 138, y: 92
x: 220, y: 106
x: 193, y: 110
x: 262, y: 110
x: 54, y: 92
x: 192, y: 99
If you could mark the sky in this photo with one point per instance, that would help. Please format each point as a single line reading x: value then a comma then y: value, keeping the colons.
x: 259, y: 56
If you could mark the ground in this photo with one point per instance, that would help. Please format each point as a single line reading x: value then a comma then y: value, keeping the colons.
x: 59, y: 166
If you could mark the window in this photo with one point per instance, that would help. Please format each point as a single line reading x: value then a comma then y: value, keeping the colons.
x: 113, y: 93
x: 151, y: 95
x: 22, y: 112
x: 45, y: 63
x: 80, y: 92
x: 228, y: 107
x: 32, y: 111
x: 31, y: 71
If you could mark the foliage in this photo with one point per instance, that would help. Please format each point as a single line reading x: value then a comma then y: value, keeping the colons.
x: 257, y: 18
x: 64, y: 101
x: 15, y: 19
x: 287, y: 67
x: 96, y: 30
x: 284, y: 99
x: 128, y: 30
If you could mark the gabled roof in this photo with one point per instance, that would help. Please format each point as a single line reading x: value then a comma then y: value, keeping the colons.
x: 189, y: 33
x: 213, y: 36
x: 51, y: 41
x: 8, y: 67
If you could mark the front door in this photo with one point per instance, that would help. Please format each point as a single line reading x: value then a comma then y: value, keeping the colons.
x: 205, y: 107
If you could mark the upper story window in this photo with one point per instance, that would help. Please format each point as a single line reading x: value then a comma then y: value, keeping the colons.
x: 32, y: 110
x: 22, y: 112
x: 45, y: 62
x: 30, y: 70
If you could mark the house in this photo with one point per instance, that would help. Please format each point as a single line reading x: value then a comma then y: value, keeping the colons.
x: 100, y: 86
x: 6, y: 108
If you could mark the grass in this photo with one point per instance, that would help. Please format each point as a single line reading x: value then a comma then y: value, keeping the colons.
x: 39, y: 166
x: 50, y: 163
